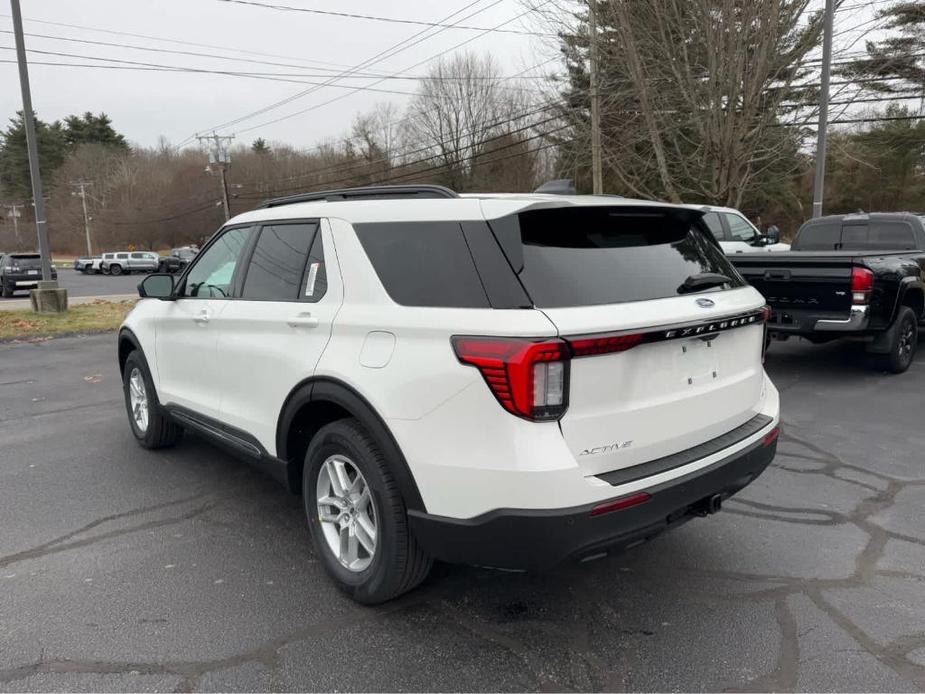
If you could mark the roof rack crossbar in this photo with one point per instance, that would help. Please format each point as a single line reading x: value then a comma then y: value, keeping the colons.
x: 365, y: 192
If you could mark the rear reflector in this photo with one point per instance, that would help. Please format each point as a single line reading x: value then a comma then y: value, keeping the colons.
x: 620, y: 504
x: 771, y: 437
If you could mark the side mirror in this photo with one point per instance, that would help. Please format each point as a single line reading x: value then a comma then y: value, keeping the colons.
x: 156, y: 286
x: 773, y: 235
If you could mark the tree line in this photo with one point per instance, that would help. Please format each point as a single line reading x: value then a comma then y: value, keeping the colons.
x: 702, y: 101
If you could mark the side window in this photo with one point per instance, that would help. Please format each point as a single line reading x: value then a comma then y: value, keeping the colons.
x: 740, y: 228
x: 213, y: 274
x: 713, y: 222
x: 138, y: 256
x: 278, y: 262
x: 315, y: 284
x: 122, y: 256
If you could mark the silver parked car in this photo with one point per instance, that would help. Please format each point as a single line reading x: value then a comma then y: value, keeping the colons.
x: 125, y: 262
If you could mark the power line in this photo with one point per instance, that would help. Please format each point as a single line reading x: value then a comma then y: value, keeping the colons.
x: 411, y: 67
x: 393, y: 20
x: 382, y: 55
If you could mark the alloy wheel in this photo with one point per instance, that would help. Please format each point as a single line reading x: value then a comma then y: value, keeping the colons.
x: 138, y: 397
x: 346, y: 513
x: 906, y: 338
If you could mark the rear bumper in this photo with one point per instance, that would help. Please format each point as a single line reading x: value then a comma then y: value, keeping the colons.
x: 537, y: 539
x: 25, y: 281
x: 787, y: 321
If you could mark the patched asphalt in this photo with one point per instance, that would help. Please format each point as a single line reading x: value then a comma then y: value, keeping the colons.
x: 186, y: 569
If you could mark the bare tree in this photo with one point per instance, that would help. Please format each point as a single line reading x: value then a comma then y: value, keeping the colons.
x: 461, y: 105
x: 692, y: 91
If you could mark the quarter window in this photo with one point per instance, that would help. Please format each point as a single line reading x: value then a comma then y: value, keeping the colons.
x: 277, y: 265
x: 212, y: 277
x: 715, y: 225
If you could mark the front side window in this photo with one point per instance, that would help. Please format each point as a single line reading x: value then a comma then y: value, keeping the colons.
x: 740, y: 228
x: 212, y: 277
x: 276, y: 267
x: 122, y: 256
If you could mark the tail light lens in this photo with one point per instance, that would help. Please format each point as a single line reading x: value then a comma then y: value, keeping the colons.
x: 529, y: 378
x: 862, y: 282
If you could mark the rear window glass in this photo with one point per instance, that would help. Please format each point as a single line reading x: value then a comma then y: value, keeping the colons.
x: 605, y: 255
x: 818, y: 236
x: 880, y: 235
x: 423, y: 263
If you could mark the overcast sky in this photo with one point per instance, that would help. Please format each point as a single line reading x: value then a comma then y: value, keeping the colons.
x: 145, y: 105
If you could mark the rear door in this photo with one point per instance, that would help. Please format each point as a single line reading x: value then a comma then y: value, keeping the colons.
x: 612, y: 271
x: 272, y: 335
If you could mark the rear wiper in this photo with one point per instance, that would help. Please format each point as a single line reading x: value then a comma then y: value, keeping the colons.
x: 703, y: 280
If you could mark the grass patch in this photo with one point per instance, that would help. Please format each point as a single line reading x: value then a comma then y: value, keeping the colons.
x: 99, y: 316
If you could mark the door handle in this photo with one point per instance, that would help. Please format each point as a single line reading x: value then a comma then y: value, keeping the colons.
x: 202, y: 316
x: 303, y: 320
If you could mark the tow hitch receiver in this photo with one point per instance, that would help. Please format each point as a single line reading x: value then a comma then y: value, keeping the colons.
x: 709, y: 505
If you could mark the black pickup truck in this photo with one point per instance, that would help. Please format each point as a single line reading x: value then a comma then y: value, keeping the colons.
x: 859, y: 276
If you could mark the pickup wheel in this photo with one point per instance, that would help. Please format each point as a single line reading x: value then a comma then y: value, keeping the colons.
x: 904, y: 337
x: 115, y: 269
x: 357, y: 517
x: 151, y: 426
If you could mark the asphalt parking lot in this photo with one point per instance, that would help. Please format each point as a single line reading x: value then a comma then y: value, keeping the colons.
x: 79, y: 284
x: 122, y: 569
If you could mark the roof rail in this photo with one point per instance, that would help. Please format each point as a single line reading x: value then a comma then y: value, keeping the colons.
x: 364, y: 193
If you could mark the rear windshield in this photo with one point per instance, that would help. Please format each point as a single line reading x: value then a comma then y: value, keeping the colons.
x: 26, y: 259
x: 606, y: 255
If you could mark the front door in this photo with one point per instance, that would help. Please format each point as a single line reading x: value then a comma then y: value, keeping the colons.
x: 273, y: 334
x: 187, y: 333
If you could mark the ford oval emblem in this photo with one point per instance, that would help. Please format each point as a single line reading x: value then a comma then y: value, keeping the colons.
x: 705, y: 303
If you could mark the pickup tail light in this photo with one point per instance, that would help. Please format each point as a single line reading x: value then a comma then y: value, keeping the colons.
x: 862, y: 282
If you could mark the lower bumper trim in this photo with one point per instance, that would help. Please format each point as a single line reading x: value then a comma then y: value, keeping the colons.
x: 529, y: 539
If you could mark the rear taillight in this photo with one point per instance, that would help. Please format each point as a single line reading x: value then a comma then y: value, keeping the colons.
x: 529, y: 378
x: 862, y: 282
x: 620, y: 504
x: 771, y: 437
x: 585, y: 347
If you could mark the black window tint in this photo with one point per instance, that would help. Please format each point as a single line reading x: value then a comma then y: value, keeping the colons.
x: 715, y: 225
x: 423, y: 263
x: 891, y: 236
x: 139, y: 255
x: 212, y: 277
x: 315, y: 284
x: 122, y: 256
x: 818, y: 236
x: 275, y: 269
x: 605, y: 255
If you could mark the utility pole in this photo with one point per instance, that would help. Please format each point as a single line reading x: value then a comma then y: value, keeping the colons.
x: 819, y: 186
x: 220, y: 159
x: 596, y: 167
x: 41, y: 225
x: 82, y: 194
x: 14, y: 214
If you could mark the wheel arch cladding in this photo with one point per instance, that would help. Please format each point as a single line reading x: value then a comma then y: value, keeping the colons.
x: 127, y: 344
x: 316, y: 402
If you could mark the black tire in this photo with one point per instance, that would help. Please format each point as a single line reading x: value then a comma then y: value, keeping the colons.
x: 161, y: 431
x: 904, y: 336
x: 6, y: 290
x: 115, y: 270
x: 398, y: 564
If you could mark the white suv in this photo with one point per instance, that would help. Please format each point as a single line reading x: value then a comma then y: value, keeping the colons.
x: 736, y: 234
x: 503, y: 380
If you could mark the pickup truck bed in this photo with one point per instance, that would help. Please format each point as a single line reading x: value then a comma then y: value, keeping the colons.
x: 859, y: 276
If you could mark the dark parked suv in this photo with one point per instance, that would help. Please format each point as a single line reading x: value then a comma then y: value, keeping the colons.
x: 21, y: 272
x: 178, y: 259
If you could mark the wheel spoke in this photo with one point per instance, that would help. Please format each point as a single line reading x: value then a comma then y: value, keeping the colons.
x: 328, y: 517
x: 353, y: 545
x: 343, y: 479
x: 344, y: 542
x: 336, y: 487
x: 366, y: 534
